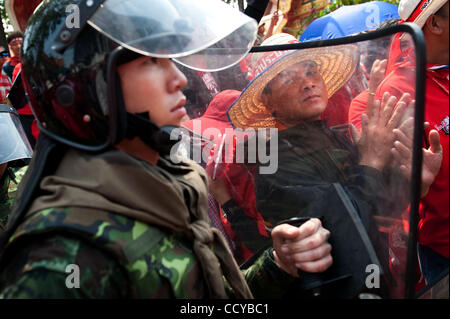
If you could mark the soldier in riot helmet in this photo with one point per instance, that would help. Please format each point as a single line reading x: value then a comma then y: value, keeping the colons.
x: 102, y: 192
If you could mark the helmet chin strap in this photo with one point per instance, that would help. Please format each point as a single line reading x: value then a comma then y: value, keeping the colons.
x: 158, y: 138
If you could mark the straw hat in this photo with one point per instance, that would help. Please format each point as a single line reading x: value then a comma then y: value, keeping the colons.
x: 336, y: 65
x: 259, y: 61
x: 418, y: 11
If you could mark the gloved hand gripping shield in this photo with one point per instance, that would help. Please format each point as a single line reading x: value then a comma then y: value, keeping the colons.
x: 307, y: 130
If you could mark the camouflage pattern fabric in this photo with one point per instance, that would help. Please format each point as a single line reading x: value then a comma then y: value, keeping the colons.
x: 116, y: 256
x: 31, y: 275
x: 8, y: 189
x: 18, y: 173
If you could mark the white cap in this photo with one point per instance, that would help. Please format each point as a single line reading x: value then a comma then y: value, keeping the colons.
x: 418, y: 11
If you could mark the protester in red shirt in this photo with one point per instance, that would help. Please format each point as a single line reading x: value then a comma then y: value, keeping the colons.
x: 215, y: 117
x: 26, y: 115
x: 232, y: 184
x: 5, y: 84
x: 433, y: 18
x: 14, y: 40
x: 375, y: 63
x: 232, y: 209
x: 11, y: 69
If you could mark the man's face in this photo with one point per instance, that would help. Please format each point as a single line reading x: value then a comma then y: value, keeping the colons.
x: 443, y: 19
x: 15, y: 45
x: 297, y: 94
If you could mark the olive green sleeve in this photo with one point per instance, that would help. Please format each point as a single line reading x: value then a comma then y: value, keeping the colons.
x: 61, y: 267
x: 265, y: 279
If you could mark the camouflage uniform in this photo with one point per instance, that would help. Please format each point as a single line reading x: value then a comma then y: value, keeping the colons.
x: 8, y: 189
x: 135, y: 260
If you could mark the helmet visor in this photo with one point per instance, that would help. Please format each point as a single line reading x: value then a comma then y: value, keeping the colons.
x: 14, y: 144
x: 206, y: 35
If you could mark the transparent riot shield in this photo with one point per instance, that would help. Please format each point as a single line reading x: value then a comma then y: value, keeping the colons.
x: 331, y: 130
x: 14, y: 144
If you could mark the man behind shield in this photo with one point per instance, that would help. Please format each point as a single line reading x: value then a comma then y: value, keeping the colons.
x: 321, y: 168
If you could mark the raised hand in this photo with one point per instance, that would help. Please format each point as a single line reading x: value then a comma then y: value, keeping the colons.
x: 377, y: 136
x: 377, y: 74
x: 432, y: 157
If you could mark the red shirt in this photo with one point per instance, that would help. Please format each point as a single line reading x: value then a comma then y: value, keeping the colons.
x: 357, y: 108
x: 239, y: 180
x: 9, y: 65
x: 434, y: 210
x: 434, y: 207
x: 5, y: 86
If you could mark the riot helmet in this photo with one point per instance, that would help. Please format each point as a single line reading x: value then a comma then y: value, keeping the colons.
x: 72, y: 48
x: 13, y: 140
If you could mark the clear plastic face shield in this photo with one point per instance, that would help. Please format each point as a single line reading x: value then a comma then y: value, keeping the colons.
x: 13, y: 141
x: 299, y: 140
x: 202, y: 35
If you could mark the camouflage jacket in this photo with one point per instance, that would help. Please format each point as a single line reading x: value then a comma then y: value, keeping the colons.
x: 8, y: 189
x: 54, y: 254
